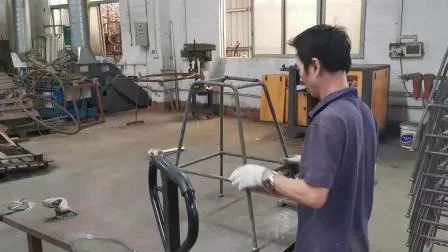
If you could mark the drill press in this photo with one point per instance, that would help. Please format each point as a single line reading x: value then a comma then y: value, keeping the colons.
x: 198, y: 54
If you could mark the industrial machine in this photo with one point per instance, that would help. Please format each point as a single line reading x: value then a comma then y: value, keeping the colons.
x: 372, y: 82
x: 198, y: 54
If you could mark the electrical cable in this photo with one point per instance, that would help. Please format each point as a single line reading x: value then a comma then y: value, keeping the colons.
x: 42, y: 122
x: 401, y: 57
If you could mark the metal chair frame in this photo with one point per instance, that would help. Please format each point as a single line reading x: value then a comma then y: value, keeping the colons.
x: 221, y: 84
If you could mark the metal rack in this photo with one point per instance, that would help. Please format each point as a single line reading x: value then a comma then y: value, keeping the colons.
x: 221, y: 84
x: 429, y: 205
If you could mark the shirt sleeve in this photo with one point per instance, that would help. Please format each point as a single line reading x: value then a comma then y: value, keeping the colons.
x: 323, y: 150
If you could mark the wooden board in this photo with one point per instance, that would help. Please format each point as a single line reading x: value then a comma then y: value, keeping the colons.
x: 276, y: 85
x: 380, y: 87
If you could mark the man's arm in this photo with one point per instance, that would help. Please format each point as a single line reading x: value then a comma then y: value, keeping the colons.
x: 319, y: 162
x: 301, y: 192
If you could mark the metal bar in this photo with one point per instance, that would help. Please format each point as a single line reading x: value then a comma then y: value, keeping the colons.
x: 17, y: 156
x: 253, y: 158
x: 172, y: 150
x: 200, y: 174
x: 199, y: 160
x: 441, y: 106
x: 168, y: 80
x: 244, y: 157
x: 221, y: 139
x: 171, y: 208
x: 438, y: 153
x: 235, y: 78
x: 184, y: 124
x: 437, y: 136
x: 237, y: 10
x: 249, y: 85
x: 274, y: 117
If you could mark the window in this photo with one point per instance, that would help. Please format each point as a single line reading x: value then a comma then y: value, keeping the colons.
x: 237, y: 23
x: 264, y: 27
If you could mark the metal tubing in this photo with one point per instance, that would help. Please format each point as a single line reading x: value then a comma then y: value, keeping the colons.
x: 184, y: 125
x: 253, y: 158
x: 221, y: 84
x: 221, y: 139
x: 200, y: 174
x: 277, y: 127
x: 199, y: 160
x: 244, y: 157
x: 168, y: 80
x: 438, y: 153
x: 248, y: 85
x: 235, y: 78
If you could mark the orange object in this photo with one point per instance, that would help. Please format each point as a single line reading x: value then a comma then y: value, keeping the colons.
x: 428, y: 80
x: 417, y: 85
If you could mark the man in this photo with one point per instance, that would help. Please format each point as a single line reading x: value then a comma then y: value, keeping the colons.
x: 334, y: 187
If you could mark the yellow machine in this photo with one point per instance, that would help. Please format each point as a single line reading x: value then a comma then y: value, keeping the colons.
x: 372, y: 82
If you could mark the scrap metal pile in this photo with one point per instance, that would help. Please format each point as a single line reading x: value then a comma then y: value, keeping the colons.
x: 428, y: 211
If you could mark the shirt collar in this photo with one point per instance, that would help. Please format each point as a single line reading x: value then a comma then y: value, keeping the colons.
x: 346, y: 92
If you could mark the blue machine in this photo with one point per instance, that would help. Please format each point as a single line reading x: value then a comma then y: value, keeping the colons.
x: 87, y: 106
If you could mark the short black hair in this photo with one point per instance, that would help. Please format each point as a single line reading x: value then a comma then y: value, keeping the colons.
x: 330, y: 44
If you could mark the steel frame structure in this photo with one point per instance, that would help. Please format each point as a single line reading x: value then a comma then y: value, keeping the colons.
x: 221, y: 84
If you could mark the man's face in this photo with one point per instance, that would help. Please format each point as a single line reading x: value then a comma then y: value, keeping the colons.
x: 311, y: 77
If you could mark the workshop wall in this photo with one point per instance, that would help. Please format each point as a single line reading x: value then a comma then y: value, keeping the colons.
x: 382, y: 27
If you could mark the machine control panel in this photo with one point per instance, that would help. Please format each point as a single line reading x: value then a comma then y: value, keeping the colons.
x: 141, y: 34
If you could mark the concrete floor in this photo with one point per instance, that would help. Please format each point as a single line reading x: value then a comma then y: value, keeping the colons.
x: 112, y: 147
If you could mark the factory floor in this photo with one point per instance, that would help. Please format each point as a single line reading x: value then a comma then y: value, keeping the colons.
x: 224, y: 222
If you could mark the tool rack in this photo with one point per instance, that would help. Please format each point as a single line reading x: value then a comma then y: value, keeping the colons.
x: 222, y: 83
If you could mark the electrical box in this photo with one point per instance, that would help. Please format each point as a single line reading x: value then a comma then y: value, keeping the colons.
x: 141, y: 34
x: 406, y: 50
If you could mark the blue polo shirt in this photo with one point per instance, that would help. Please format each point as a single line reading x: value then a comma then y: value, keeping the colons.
x: 340, y: 151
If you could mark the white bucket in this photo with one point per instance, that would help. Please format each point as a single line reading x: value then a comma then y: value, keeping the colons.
x: 408, y: 130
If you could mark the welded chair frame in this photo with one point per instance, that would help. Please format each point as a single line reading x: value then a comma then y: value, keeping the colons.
x: 167, y: 216
x: 221, y: 84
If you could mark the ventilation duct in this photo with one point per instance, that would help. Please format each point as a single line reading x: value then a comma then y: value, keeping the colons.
x: 22, y: 27
x: 79, y: 28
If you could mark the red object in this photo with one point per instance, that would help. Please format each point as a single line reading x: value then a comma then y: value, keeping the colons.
x: 417, y: 85
x: 428, y: 80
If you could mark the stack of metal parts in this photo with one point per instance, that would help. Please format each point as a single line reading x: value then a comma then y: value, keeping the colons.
x: 10, y: 107
x: 428, y: 211
x: 14, y: 156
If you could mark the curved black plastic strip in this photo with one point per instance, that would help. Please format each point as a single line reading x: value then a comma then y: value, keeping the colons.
x: 175, y: 175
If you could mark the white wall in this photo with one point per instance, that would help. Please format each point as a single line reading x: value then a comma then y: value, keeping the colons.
x: 427, y: 21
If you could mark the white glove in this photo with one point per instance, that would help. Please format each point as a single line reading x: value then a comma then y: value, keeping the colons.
x: 154, y: 152
x: 246, y: 176
x: 293, y: 160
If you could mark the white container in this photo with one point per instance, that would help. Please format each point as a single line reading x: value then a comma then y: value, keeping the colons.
x: 408, y: 130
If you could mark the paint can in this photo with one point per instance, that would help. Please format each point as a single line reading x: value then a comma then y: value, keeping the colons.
x: 408, y: 131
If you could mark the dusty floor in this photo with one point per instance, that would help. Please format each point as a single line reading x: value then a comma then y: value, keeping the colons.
x: 113, y: 147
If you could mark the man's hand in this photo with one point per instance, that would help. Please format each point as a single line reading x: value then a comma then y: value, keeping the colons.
x: 293, y: 160
x: 247, y: 176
